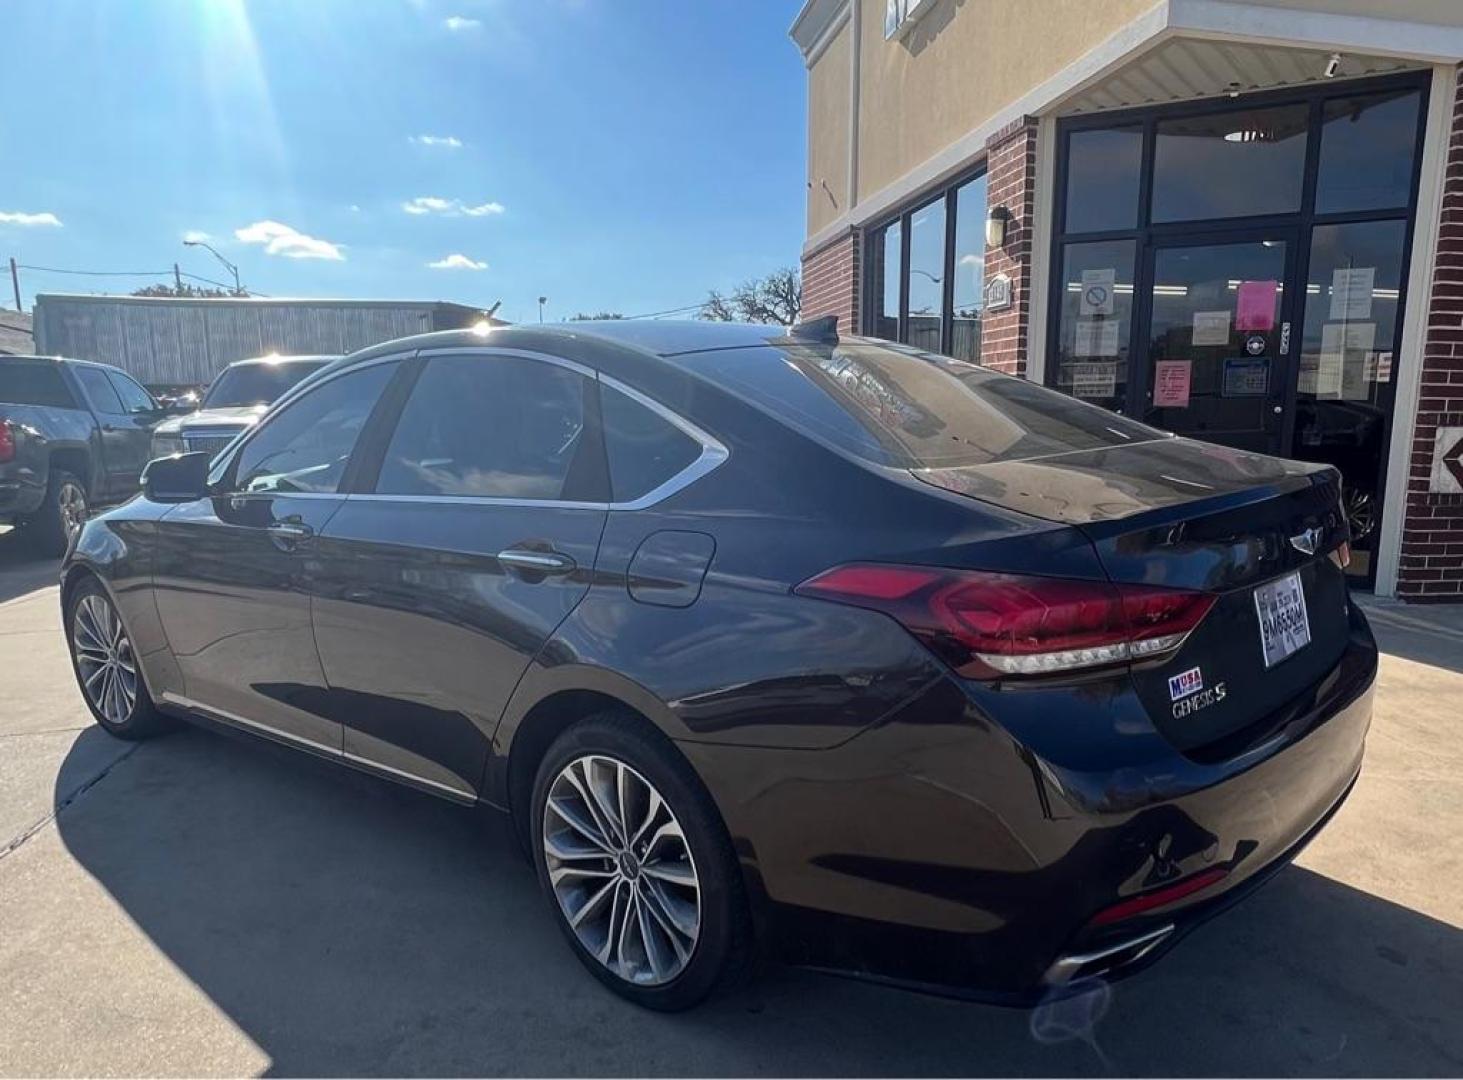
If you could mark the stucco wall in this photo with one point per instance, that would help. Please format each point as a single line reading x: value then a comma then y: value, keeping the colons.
x: 828, y: 104
x: 961, y: 63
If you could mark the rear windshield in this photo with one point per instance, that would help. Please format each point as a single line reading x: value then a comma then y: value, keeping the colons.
x: 910, y: 409
x: 33, y: 384
x: 255, y: 384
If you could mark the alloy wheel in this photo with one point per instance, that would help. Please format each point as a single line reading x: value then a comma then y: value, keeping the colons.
x: 104, y: 658
x: 71, y: 504
x: 621, y: 870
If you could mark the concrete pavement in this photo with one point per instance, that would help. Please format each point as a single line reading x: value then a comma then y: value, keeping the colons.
x: 203, y: 905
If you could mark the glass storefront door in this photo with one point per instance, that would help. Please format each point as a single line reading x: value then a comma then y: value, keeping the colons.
x: 1235, y: 271
x: 1216, y: 338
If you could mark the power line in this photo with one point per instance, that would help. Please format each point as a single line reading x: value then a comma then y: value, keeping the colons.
x: 97, y: 273
x: 669, y: 311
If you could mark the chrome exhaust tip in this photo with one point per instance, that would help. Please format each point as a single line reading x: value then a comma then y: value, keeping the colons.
x: 1073, y: 966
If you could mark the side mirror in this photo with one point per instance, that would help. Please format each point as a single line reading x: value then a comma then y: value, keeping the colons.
x: 177, y: 478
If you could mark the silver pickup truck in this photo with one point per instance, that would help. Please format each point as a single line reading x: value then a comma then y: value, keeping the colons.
x: 73, y: 435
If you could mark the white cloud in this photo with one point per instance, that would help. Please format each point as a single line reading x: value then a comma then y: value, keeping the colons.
x: 457, y: 23
x: 281, y: 239
x: 451, y: 142
x: 428, y: 204
x: 20, y: 217
x: 355, y: 208
x: 195, y: 236
x: 435, y: 204
x: 457, y: 262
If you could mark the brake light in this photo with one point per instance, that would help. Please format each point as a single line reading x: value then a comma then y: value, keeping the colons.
x: 7, y: 441
x: 1341, y: 554
x: 990, y: 625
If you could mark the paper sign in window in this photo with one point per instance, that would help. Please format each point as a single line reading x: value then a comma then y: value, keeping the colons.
x: 1211, y: 328
x: 1098, y: 380
x: 1255, y: 306
x: 1171, y: 384
x: 1097, y: 337
x: 1351, y: 293
x: 1347, y: 363
x: 1246, y: 376
x: 1098, y: 287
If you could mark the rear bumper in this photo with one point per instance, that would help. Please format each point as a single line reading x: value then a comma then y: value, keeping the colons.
x: 943, y: 850
x: 20, y: 495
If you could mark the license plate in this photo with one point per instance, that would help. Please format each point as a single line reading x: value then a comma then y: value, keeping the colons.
x: 1284, y: 625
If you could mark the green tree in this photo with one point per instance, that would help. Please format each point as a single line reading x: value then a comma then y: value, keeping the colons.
x: 598, y: 315
x: 173, y: 290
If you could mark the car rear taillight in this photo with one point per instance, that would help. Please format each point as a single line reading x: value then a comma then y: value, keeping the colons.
x: 7, y: 441
x: 992, y: 625
x: 1341, y: 555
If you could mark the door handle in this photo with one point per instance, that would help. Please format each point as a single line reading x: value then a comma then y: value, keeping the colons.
x: 287, y: 534
x: 536, y: 562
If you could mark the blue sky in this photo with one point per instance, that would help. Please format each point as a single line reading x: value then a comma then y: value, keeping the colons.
x: 626, y: 155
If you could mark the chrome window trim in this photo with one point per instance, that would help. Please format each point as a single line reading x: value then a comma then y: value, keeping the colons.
x: 713, y: 451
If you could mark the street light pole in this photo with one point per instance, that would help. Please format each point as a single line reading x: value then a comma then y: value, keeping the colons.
x: 542, y: 300
x: 230, y: 267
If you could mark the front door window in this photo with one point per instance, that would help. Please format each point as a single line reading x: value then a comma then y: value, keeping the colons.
x: 1215, y: 369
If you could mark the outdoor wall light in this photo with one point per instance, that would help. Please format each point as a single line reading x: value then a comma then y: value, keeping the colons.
x: 995, y: 226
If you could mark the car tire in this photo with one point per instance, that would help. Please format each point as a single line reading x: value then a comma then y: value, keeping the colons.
x: 62, y: 513
x: 106, y: 667
x: 674, y: 924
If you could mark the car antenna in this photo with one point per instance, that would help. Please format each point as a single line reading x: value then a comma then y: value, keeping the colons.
x: 823, y: 329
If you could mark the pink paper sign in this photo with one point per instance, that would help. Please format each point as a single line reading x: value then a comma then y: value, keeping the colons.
x: 1255, y: 307
x: 1171, y: 384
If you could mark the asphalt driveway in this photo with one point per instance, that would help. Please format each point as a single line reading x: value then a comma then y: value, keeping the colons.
x: 201, y: 905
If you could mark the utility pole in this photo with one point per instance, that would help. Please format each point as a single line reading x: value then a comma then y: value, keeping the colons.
x: 542, y: 300
x: 178, y: 278
x: 15, y: 282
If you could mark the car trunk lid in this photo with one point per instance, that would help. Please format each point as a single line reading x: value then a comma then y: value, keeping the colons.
x: 1183, y: 514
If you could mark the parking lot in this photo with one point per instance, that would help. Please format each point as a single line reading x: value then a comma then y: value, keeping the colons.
x: 203, y: 905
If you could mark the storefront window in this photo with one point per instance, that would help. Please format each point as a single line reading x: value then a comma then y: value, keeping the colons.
x: 927, y: 275
x: 888, y: 261
x: 1096, y: 310
x: 967, y: 293
x: 1104, y: 168
x: 1347, y: 368
x: 1231, y: 164
x: 1367, y: 150
x: 939, y: 273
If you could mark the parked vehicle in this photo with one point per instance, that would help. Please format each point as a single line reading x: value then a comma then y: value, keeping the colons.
x: 73, y: 435
x: 888, y: 663
x: 233, y: 403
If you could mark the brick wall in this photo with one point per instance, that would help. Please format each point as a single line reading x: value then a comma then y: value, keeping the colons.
x: 831, y: 282
x: 1431, y: 566
x: 1010, y: 182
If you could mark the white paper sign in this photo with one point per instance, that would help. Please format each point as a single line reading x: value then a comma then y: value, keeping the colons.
x: 1211, y: 328
x: 1347, y: 362
x: 1351, y: 293
x: 1098, y: 287
x: 1094, y: 380
x: 1097, y: 337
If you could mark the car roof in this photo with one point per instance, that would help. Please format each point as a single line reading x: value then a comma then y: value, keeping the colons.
x: 276, y: 358
x: 663, y: 338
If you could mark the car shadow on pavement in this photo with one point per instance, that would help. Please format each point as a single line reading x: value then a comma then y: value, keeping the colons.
x: 22, y: 570
x: 352, y: 927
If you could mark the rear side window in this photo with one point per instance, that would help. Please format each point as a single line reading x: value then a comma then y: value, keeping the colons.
x: 645, y: 449
x: 99, y: 390
x: 909, y: 409
x: 307, y: 446
x: 488, y: 426
x: 34, y: 384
